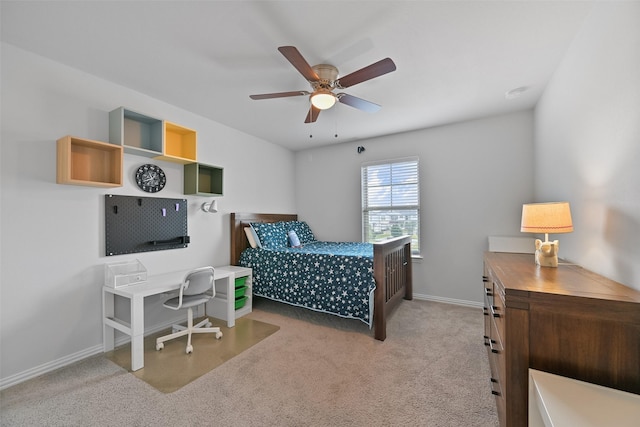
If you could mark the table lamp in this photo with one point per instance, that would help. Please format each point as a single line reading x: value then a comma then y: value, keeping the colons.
x: 554, y: 217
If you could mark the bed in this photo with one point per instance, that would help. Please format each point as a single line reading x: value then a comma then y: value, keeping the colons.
x: 383, y: 271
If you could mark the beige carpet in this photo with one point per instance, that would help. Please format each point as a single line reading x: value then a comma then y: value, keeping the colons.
x: 172, y: 368
x: 317, y: 370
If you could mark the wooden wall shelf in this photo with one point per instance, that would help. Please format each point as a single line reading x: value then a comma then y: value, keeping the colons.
x: 136, y: 133
x: 151, y: 137
x: 203, y: 180
x: 179, y: 144
x: 86, y: 162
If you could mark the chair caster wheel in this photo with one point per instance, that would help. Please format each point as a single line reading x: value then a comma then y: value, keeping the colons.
x: 218, y: 335
x: 159, y: 346
x: 208, y: 324
x: 189, y: 349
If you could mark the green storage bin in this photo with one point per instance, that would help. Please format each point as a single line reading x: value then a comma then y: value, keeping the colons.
x: 240, y: 281
x: 240, y: 302
x: 240, y: 291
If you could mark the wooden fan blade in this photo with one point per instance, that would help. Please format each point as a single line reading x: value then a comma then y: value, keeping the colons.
x: 313, y: 114
x: 279, y: 95
x: 377, y: 69
x: 358, y: 103
x: 297, y: 60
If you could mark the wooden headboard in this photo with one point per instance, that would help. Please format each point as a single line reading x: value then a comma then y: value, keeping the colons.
x: 241, y: 220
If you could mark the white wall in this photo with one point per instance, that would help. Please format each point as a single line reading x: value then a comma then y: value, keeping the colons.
x: 53, y: 235
x: 588, y: 143
x: 474, y: 177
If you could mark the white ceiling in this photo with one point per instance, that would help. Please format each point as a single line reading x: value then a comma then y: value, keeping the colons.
x: 455, y: 59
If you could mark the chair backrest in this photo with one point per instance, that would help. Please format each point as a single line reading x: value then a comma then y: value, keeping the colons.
x: 198, y: 281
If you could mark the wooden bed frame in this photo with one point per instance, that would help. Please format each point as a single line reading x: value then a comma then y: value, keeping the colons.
x: 391, y: 266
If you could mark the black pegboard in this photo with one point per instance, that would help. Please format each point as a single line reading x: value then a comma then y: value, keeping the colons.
x: 142, y: 224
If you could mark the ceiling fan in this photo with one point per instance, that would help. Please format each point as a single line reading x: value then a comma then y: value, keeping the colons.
x: 324, y: 79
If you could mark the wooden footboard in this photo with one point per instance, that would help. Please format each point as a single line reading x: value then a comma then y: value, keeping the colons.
x: 393, y: 275
x: 391, y: 266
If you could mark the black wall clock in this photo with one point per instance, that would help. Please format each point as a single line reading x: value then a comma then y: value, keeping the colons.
x: 150, y: 178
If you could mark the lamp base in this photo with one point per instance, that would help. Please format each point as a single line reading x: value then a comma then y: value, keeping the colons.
x: 547, y: 253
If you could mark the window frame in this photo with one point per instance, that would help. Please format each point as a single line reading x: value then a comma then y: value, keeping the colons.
x: 366, y: 209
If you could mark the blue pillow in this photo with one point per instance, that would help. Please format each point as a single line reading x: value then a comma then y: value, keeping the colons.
x: 303, y: 231
x: 272, y: 235
x: 294, y: 242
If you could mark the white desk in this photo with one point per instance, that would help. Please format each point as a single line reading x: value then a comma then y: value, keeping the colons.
x: 223, y: 305
x: 154, y: 285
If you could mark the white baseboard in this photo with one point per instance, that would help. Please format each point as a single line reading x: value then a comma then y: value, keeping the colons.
x: 48, y: 367
x: 75, y: 357
x: 465, y: 303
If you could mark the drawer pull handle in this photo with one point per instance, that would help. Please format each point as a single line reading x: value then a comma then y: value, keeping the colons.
x: 493, y: 349
x: 485, y: 279
x: 487, y: 292
x: 493, y: 311
x: 493, y: 391
x: 485, y: 311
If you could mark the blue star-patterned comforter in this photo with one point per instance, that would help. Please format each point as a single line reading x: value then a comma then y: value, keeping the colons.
x: 331, y: 277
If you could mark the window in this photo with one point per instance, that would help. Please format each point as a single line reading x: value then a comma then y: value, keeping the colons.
x: 391, y: 201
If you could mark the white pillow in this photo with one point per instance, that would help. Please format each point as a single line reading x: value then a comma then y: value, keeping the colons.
x: 252, y: 237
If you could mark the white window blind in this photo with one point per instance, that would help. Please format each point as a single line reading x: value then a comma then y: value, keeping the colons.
x: 391, y: 202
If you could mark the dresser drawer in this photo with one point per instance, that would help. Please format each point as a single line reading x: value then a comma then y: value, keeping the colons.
x: 497, y: 309
x: 495, y: 362
x: 496, y: 366
x: 494, y: 313
x: 496, y: 345
x: 487, y: 321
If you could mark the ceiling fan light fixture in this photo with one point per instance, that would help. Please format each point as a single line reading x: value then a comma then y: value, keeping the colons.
x: 323, y: 79
x: 323, y: 99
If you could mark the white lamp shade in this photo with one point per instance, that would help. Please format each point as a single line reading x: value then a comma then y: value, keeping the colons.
x: 549, y: 218
x: 323, y: 99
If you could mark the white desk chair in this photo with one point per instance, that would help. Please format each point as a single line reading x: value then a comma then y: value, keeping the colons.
x: 197, y: 288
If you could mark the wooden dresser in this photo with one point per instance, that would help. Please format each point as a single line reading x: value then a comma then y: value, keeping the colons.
x: 567, y: 321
